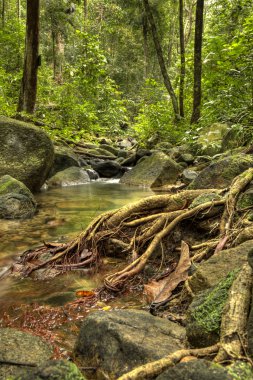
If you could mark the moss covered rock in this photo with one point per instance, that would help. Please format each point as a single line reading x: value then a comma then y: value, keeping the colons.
x: 53, y: 370
x: 69, y: 177
x: 221, y: 173
x: 155, y: 171
x: 16, y: 200
x: 213, y: 270
x: 205, y: 312
x: 211, y: 138
x: 26, y: 152
x: 197, y: 370
x: 64, y: 158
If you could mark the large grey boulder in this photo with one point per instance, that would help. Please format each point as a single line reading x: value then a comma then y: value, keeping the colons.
x: 26, y: 152
x: 21, y: 347
x: 157, y: 170
x: 16, y: 200
x: 116, y: 342
x: 221, y: 173
x: 69, y: 177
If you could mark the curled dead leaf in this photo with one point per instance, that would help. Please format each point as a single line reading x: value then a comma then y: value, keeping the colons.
x: 84, y: 293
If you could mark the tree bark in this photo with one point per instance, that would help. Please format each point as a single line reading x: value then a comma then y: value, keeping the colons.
x: 182, y: 57
x: 199, y: 21
x: 3, y: 13
x: 85, y: 11
x: 145, y: 43
x: 27, y: 98
x: 19, y: 9
x: 58, y: 55
x: 161, y: 60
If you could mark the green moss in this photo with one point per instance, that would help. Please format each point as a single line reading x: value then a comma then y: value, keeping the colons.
x: 240, y: 371
x: 208, y: 314
x: 245, y: 200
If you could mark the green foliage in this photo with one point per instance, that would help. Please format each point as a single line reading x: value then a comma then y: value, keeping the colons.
x: 156, y: 116
x: 228, y: 66
x: 209, y: 313
x: 88, y: 101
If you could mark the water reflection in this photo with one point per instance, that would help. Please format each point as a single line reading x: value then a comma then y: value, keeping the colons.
x: 62, y: 213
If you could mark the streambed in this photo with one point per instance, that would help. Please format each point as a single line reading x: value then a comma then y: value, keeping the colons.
x: 62, y: 214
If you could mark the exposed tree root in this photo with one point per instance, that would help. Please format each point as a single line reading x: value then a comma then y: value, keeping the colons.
x: 235, y: 315
x: 237, y: 186
x: 152, y: 369
x: 139, y: 229
x: 233, y: 327
x: 116, y: 280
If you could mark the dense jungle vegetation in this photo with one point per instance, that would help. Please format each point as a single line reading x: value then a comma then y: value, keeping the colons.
x: 108, y: 65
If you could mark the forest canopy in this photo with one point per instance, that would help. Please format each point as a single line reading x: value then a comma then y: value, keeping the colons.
x: 158, y: 67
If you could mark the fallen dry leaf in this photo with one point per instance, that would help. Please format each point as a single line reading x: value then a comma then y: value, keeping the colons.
x: 84, y: 293
x: 160, y: 291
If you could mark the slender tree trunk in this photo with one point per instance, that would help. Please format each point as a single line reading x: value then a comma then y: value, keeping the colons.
x: 197, y: 61
x: 188, y: 23
x: 145, y: 43
x: 85, y: 11
x: 182, y: 57
x: 161, y: 60
x: 58, y: 56
x: 3, y: 13
x: 27, y: 98
x: 19, y: 9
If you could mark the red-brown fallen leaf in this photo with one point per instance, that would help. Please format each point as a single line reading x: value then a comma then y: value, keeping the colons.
x: 84, y: 293
x: 159, y: 291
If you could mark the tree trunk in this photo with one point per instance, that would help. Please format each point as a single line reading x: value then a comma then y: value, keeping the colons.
x: 19, y: 9
x: 161, y: 60
x: 85, y: 11
x: 197, y: 61
x: 182, y: 58
x: 27, y: 98
x: 3, y: 13
x: 145, y: 43
x: 58, y: 56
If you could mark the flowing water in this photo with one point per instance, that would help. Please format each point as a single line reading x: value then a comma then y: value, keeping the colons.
x: 62, y: 214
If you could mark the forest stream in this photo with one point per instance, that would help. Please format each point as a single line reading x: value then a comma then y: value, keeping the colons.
x: 62, y: 214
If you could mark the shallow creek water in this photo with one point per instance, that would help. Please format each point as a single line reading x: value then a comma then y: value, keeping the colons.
x: 62, y: 214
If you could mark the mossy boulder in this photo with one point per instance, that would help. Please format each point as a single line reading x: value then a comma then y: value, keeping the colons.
x: 155, y: 171
x: 221, y: 173
x: 204, y: 198
x: 64, y: 158
x: 26, y: 153
x: 115, y: 342
x: 206, y: 370
x: 209, y: 273
x: 16, y: 200
x: 245, y: 199
x: 205, y: 312
x: 69, y: 177
x: 21, y: 347
x: 53, y: 370
x: 211, y: 138
x: 98, y: 152
x: 110, y: 148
